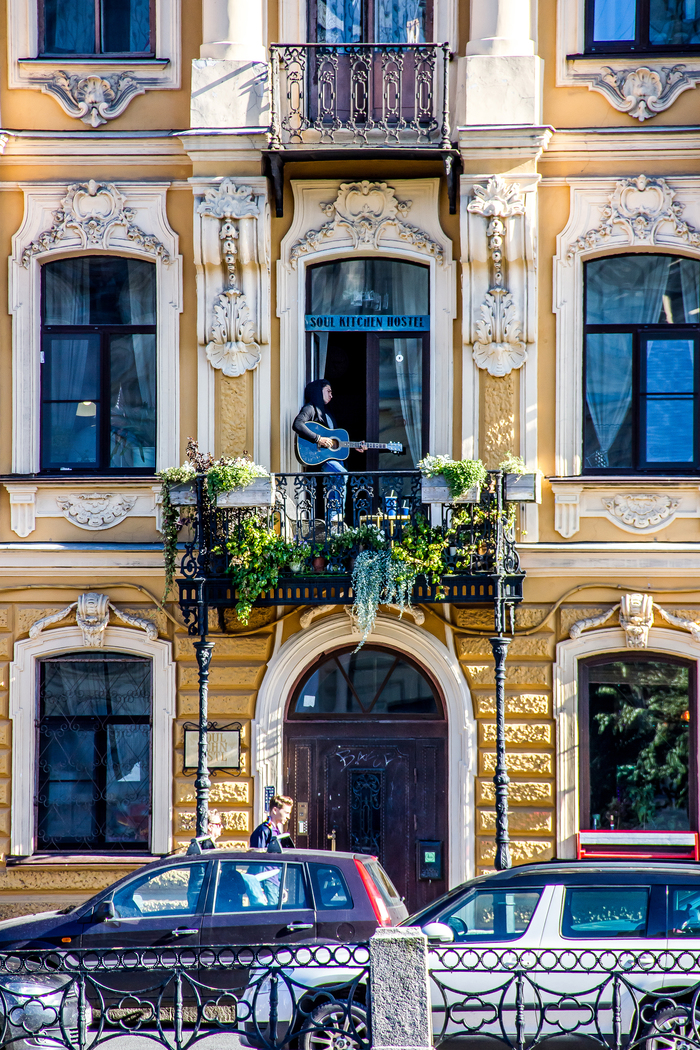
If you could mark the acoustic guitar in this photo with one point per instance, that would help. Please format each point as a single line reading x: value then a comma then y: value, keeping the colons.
x: 313, y: 455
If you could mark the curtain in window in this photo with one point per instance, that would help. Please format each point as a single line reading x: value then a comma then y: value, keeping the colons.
x: 69, y: 27
x: 133, y: 401
x: 408, y: 357
x: 675, y: 22
x: 690, y: 285
x: 400, y: 21
x: 614, y: 20
x: 339, y: 21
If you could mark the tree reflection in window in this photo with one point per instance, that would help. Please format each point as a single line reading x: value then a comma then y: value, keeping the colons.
x: 639, y: 715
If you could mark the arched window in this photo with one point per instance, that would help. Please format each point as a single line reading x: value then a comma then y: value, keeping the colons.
x: 641, y: 364
x: 637, y: 733
x: 372, y: 682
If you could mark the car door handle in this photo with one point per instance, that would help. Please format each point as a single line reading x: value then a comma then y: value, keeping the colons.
x: 292, y: 927
x: 184, y: 931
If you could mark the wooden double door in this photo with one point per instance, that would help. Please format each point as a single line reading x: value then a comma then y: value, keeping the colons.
x: 376, y: 787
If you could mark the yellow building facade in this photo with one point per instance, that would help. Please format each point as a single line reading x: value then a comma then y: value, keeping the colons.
x: 195, y: 200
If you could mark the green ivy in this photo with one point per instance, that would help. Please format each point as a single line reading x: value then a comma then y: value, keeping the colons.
x: 256, y: 555
x: 460, y: 475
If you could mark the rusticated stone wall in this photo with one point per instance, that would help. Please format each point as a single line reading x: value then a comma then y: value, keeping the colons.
x: 530, y: 739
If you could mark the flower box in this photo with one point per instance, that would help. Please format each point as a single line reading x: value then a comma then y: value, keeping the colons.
x: 436, y: 490
x: 184, y: 495
x: 524, y: 488
x: 260, y: 493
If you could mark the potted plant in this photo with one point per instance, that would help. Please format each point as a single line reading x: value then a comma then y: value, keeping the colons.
x: 447, y: 480
x: 521, y: 486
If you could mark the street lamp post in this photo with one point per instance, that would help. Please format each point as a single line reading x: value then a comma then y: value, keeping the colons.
x: 499, y: 648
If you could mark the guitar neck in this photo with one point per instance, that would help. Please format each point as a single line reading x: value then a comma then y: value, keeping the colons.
x: 361, y: 444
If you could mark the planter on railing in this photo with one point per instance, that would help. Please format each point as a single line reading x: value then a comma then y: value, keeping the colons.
x: 184, y: 495
x: 524, y: 488
x: 259, y: 493
x: 436, y: 490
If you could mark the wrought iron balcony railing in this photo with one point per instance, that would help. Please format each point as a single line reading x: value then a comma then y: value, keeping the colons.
x: 324, y: 519
x: 348, y: 95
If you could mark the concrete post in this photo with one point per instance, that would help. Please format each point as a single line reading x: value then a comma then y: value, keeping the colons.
x: 400, y: 990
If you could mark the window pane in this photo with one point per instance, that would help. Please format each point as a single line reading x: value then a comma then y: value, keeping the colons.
x: 133, y: 401
x: 684, y: 911
x: 669, y: 430
x: 401, y: 400
x: 370, y: 681
x: 369, y: 286
x: 638, y: 741
x: 627, y: 289
x: 247, y: 887
x: 674, y: 22
x: 69, y: 27
x: 174, y: 891
x: 71, y: 370
x: 670, y: 366
x: 66, y: 785
x: 69, y: 434
x: 339, y: 21
x: 95, y: 688
x: 294, y: 895
x: 125, y: 25
x: 608, y: 430
x: 128, y: 793
x: 401, y: 21
x: 492, y: 916
x: 99, y: 290
x: 614, y: 20
x: 606, y: 912
x: 330, y: 890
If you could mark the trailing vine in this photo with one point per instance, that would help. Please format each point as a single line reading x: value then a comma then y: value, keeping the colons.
x: 460, y: 475
x: 256, y: 555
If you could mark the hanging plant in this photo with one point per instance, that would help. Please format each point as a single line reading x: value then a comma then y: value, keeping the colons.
x: 460, y: 475
x: 256, y: 556
x: 171, y: 518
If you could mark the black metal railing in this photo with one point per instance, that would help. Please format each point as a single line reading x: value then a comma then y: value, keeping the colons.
x: 360, y: 95
x: 327, y: 516
x: 270, y: 997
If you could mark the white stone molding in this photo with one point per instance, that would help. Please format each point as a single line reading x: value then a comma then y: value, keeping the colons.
x: 232, y: 260
x: 92, y: 617
x: 125, y: 218
x: 94, y: 90
x: 641, y: 511
x: 303, y: 648
x: 608, y: 216
x: 22, y: 509
x: 633, y: 506
x: 23, y: 713
x: 636, y: 614
x: 389, y: 236
x: 641, y: 88
x: 567, y: 510
x: 569, y: 653
x: 95, y: 510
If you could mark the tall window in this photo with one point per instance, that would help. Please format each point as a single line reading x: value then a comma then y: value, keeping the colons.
x: 642, y: 25
x: 642, y: 323
x: 97, y: 27
x: 94, y: 762
x: 98, y: 386
x: 637, y: 725
x: 374, y: 21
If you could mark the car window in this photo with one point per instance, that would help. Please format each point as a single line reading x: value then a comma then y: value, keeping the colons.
x: 246, y: 887
x: 491, y: 915
x: 684, y: 911
x: 382, y: 881
x: 168, y: 891
x: 330, y: 888
x: 606, y: 911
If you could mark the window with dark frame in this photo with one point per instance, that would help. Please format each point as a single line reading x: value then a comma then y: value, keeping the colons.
x: 641, y: 365
x: 82, y: 28
x: 94, y: 753
x: 370, y: 21
x: 98, y: 376
x: 663, y: 26
x: 638, y: 743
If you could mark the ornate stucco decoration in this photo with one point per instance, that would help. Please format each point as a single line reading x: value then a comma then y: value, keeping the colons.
x: 96, y: 510
x: 366, y: 210
x: 92, y: 617
x: 639, y: 206
x: 312, y: 612
x: 92, y: 211
x: 645, y: 91
x: 233, y: 343
x: 94, y: 98
x: 636, y: 615
x: 641, y: 511
x: 499, y: 346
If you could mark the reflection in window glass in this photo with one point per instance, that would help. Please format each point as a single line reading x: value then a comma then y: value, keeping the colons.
x: 674, y: 22
x: 79, y: 27
x: 684, y: 911
x: 329, y: 886
x: 609, y: 400
x: 400, y: 21
x: 497, y: 915
x: 339, y: 21
x: 369, y: 682
x: 605, y: 912
x: 670, y: 378
x: 173, y: 891
x: 614, y: 19
x: 638, y: 728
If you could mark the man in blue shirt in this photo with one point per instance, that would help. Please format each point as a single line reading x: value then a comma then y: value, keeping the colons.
x: 273, y: 827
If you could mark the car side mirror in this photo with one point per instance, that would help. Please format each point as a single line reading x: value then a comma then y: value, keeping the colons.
x: 439, y: 932
x: 103, y: 911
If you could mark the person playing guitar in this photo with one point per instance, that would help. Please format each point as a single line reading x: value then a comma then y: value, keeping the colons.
x: 317, y: 395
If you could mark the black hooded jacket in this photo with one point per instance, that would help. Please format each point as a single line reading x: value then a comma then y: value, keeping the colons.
x: 313, y: 411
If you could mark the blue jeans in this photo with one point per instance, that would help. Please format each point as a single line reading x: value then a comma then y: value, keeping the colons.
x: 336, y: 491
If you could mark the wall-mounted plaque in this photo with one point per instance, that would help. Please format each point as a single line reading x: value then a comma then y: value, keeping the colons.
x: 223, y: 747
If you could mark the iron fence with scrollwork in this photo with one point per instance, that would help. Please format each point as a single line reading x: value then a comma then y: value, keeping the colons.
x: 268, y: 997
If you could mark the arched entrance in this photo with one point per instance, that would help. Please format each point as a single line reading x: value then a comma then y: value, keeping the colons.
x: 365, y: 740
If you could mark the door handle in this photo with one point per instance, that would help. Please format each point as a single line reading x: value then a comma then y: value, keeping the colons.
x: 293, y: 927
x: 184, y: 931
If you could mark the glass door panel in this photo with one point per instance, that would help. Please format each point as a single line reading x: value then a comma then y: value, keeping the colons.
x: 668, y: 409
x: 400, y: 400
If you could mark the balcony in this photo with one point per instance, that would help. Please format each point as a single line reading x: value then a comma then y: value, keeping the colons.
x: 336, y: 98
x: 327, y: 520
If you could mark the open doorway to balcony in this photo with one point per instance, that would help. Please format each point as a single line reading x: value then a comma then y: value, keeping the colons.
x: 367, y: 326
x: 370, y: 21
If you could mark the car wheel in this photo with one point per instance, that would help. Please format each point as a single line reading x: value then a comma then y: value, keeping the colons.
x: 671, y: 1029
x: 347, y: 1028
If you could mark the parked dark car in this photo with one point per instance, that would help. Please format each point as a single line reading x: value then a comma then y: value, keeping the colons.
x: 223, y: 897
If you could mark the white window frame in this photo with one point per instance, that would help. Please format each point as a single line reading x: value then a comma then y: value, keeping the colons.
x: 27, y: 70
x: 146, y: 203
x: 23, y: 714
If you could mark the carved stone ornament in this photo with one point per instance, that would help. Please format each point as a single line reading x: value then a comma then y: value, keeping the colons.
x: 366, y: 210
x: 313, y: 611
x: 640, y: 206
x: 97, y: 510
x: 636, y: 615
x: 233, y: 342
x: 499, y: 346
x: 94, y: 99
x: 92, y: 211
x: 645, y: 91
x: 641, y: 511
x: 92, y: 617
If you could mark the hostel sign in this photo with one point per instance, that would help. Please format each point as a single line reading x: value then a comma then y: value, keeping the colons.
x: 368, y: 322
